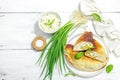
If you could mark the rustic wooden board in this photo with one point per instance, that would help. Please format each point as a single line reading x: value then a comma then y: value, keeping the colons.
x: 18, y: 27
x: 18, y: 30
x: 20, y: 65
x: 53, y: 5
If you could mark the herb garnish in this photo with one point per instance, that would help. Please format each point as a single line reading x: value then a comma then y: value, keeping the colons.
x: 109, y: 68
x: 50, y: 22
x: 96, y: 17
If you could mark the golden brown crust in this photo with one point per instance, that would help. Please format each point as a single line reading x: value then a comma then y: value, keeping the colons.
x: 86, y: 36
x: 99, y: 49
x: 86, y: 63
x: 69, y: 49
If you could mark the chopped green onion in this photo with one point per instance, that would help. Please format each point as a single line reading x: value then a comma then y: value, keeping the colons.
x: 88, y: 51
x: 49, y: 23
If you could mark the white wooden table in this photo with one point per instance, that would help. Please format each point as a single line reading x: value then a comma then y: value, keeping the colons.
x: 18, y: 27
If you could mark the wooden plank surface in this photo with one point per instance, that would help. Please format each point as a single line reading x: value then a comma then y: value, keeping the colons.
x: 18, y: 30
x: 53, y: 5
x: 18, y: 27
x: 20, y: 65
x: 17, y: 58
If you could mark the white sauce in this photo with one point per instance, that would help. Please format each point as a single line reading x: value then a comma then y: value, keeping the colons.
x: 50, y: 22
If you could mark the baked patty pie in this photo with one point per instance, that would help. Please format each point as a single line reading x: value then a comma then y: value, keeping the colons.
x: 93, y: 58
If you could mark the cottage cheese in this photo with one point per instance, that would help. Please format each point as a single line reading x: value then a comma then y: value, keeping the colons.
x: 50, y: 22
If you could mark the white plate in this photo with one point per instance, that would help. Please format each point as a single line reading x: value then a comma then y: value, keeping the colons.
x: 72, y: 40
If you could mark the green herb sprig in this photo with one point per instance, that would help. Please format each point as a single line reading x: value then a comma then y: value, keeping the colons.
x: 109, y: 68
x: 96, y: 17
x: 50, y: 22
x: 79, y: 55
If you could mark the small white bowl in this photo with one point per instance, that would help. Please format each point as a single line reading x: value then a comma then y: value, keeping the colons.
x: 49, y: 22
x: 80, y: 73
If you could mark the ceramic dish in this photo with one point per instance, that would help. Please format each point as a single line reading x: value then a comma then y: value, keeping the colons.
x: 49, y: 22
x: 72, y: 40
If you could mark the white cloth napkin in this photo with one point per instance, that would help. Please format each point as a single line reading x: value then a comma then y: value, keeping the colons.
x: 110, y: 35
x: 106, y: 29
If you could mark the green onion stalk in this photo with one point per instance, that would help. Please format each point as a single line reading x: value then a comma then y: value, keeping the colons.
x: 54, y: 50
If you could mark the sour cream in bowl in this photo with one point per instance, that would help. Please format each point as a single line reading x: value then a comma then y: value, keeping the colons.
x: 49, y: 22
